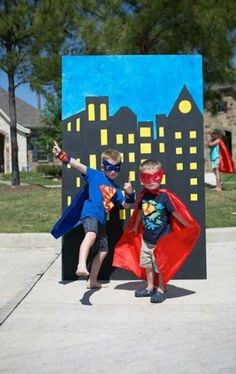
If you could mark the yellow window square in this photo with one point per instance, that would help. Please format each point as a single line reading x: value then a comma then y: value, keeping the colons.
x: 179, y: 166
x: 178, y: 135
x: 192, y: 134
x: 193, y: 181
x: 145, y: 132
x: 131, y: 138
x: 69, y: 126
x: 91, y: 112
x: 78, y: 182
x: 161, y: 132
x: 145, y: 148
x: 68, y: 200
x: 193, y: 165
x: 193, y: 197
x: 163, y: 181
x: 92, y: 161
x: 103, y: 112
x: 132, y: 176
x: 119, y: 139
x: 131, y: 157
x: 78, y: 124
x: 122, y: 214
x: 68, y: 166
x: 179, y: 150
x: 122, y: 156
x: 103, y: 136
x: 162, y: 147
x: 193, y: 150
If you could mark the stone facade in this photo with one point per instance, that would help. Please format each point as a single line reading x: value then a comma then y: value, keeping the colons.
x: 5, y: 149
x: 225, y: 120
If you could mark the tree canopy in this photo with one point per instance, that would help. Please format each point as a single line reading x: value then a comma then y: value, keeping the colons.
x: 34, y: 34
x: 32, y: 39
x: 164, y: 27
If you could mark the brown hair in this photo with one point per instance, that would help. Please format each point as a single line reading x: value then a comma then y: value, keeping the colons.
x: 113, y: 154
x: 218, y: 132
x: 150, y: 164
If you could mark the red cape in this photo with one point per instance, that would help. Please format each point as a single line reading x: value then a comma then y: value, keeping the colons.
x: 171, y: 250
x: 226, y: 161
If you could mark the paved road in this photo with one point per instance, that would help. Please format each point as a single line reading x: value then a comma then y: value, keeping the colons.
x: 58, y: 327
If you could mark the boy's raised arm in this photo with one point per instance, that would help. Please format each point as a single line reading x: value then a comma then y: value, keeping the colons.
x: 211, y: 143
x: 129, y: 195
x: 66, y: 159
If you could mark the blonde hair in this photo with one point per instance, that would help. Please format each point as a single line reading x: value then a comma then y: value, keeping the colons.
x: 113, y: 154
x: 150, y: 164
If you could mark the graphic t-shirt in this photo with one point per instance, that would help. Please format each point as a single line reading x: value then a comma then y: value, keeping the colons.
x: 103, y: 195
x: 156, y: 212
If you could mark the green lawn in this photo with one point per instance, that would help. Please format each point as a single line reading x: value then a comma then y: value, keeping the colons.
x: 35, y: 209
x: 221, y: 207
x: 29, y: 208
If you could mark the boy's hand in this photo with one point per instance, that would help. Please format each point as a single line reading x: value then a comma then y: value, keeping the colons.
x: 61, y: 155
x: 56, y: 149
x: 128, y: 187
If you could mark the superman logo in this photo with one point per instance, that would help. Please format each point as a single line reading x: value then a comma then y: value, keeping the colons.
x: 107, y: 194
x: 148, y: 209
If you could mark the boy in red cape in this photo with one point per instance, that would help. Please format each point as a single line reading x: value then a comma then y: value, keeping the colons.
x: 220, y: 158
x: 159, y: 236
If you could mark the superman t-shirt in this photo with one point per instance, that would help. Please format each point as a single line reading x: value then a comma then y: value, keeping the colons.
x: 156, y: 212
x: 103, y: 195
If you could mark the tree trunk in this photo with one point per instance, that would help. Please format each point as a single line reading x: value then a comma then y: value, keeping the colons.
x: 15, y: 177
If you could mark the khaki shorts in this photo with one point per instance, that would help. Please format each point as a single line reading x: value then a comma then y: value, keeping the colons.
x: 147, y: 259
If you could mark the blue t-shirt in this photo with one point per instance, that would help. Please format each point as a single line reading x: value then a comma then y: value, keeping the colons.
x: 156, y: 213
x: 214, y: 152
x: 103, y: 195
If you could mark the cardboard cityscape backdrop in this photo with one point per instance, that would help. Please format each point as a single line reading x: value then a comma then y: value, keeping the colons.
x: 174, y: 138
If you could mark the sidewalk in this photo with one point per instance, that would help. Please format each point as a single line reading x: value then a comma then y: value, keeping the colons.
x: 59, y: 327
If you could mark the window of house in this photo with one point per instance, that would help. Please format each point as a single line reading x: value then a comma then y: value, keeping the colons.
x: 40, y: 153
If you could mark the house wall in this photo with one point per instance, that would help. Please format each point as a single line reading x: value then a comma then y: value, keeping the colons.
x: 22, y: 147
x: 225, y: 121
x: 22, y: 151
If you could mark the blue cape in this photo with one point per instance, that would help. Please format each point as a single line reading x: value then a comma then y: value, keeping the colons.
x: 71, y: 216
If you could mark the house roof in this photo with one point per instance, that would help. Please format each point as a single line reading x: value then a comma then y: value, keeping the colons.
x: 27, y: 115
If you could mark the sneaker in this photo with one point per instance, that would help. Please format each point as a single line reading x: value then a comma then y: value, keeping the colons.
x: 144, y: 293
x: 158, y: 297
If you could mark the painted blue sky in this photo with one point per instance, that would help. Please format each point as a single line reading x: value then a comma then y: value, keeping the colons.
x: 148, y: 85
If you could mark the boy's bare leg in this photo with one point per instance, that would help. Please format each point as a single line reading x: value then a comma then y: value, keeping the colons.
x: 96, y: 265
x: 86, y: 244
x: 161, y: 287
x: 150, y: 278
x: 218, y: 183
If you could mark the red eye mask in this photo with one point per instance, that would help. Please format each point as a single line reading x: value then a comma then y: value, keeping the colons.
x: 147, y: 178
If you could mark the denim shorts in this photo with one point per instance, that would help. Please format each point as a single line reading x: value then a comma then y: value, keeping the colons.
x: 91, y: 224
x: 215, y: 163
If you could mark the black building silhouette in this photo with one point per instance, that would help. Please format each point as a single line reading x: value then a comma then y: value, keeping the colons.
x: 179, y: 147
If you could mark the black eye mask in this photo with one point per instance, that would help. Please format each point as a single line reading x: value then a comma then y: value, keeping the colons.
x: 110, y: 167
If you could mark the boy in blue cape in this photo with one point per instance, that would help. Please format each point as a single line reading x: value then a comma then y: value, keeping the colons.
x: 93, y: 203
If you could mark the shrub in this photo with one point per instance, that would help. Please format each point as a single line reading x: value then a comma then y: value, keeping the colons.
x: 50, y: 170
